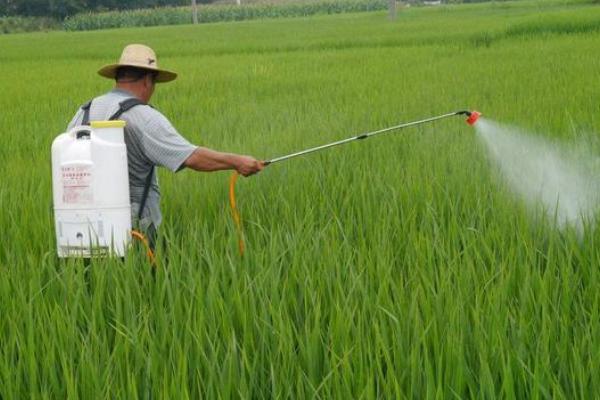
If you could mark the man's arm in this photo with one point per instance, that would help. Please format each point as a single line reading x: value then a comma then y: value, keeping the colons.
x: 163, y: 145
x: 204, y: 159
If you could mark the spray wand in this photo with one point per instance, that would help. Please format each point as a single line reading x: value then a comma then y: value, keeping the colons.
x: 472, y: 117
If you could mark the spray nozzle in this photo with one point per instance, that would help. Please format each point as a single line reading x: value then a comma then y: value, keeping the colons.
x: 473, y: 117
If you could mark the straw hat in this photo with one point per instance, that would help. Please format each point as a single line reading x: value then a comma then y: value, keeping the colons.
x: 139, y: 56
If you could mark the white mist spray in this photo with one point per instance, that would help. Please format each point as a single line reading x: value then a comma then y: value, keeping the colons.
x: 539, y: 171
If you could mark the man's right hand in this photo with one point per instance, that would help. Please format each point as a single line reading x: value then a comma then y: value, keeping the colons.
x: 246, y: 165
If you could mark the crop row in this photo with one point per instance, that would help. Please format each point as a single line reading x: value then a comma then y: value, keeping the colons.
x: 215, y: 13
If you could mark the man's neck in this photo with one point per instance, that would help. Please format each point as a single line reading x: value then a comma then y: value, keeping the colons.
x: 131, y: 89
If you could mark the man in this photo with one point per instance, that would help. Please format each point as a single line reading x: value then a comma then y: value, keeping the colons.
x: 150, y: 138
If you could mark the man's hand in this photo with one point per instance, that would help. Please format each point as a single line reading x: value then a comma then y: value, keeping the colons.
x: 246, y: 165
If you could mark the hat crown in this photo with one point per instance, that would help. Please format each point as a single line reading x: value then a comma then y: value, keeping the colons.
x: 138, y: 54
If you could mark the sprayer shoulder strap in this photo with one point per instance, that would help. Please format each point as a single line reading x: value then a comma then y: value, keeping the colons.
x: 86, y: 113
x: 125, y: 106
x: 147, y: 185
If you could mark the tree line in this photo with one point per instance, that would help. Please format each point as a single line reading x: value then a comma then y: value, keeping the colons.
x: 62, y: 8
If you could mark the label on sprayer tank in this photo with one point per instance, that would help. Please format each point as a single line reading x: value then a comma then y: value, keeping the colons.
x: 77, y: 184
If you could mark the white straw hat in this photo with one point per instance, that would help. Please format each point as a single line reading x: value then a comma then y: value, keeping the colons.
x: 138, y: 56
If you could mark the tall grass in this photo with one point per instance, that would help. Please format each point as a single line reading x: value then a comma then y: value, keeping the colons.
x: 395, y: 267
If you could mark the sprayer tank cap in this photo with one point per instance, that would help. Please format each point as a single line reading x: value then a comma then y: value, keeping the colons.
x: 108, y: 124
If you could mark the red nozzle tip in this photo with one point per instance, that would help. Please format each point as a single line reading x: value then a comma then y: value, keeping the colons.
x: 473, y: 117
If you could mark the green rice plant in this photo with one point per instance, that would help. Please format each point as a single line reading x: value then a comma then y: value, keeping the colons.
x: 557, y: 23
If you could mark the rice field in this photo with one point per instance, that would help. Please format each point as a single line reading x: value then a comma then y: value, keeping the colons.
x: 398, y: 267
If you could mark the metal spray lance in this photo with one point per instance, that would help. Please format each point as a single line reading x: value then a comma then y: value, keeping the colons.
x: 472, y: 117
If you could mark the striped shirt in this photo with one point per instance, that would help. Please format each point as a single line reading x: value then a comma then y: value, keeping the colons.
x: 151, y: 141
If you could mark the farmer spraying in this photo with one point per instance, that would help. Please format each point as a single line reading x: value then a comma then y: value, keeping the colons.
x: 103, y: 167
x: 150, y: 138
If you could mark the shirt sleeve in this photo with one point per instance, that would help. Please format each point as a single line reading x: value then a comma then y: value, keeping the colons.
x: 162, y: 144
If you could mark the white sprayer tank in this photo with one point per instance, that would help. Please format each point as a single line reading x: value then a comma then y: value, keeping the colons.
x: 90, y: 186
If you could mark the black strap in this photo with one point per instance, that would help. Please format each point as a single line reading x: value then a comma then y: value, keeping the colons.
x: 146, y: 192
x: 124, y: 106
x: 86, y: 113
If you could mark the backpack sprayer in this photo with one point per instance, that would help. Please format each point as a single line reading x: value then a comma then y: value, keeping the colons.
x: 90, y: 185
x: 472, y: 117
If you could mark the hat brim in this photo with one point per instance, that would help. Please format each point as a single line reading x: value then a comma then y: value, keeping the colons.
x: 110, y: 72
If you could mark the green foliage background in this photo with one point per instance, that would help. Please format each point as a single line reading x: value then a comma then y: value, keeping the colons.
x: 396, y: 267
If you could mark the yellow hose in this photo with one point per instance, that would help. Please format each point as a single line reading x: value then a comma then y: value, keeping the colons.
x: 234, y: 212
x: 149, y: 253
